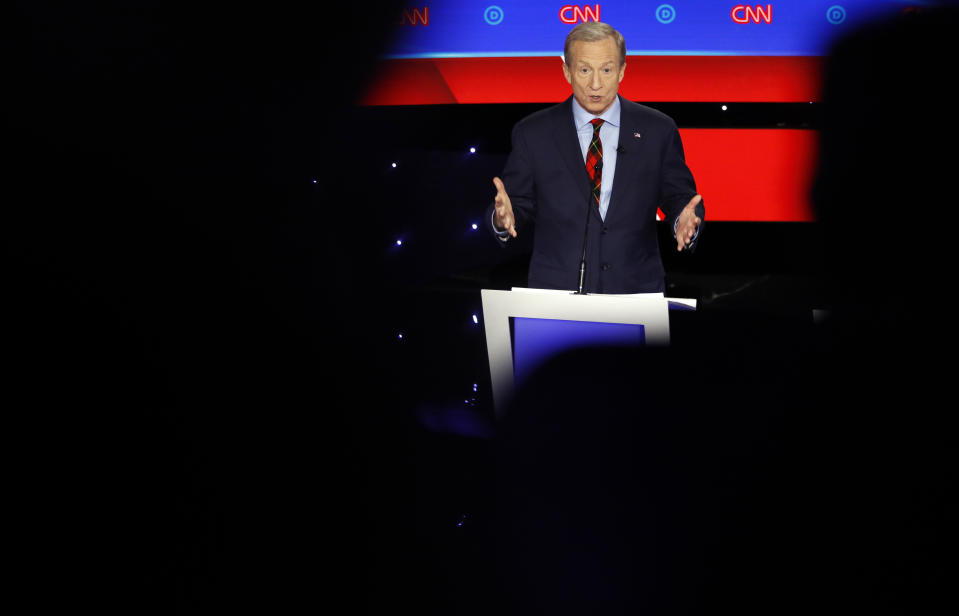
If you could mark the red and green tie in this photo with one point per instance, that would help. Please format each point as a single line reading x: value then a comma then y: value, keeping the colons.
x: 594, y: 160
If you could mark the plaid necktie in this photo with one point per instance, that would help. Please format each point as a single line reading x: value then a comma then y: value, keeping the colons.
x: 594, y: 160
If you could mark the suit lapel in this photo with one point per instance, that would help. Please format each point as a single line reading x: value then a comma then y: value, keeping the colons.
x: 628, y: 162
x: 567, y: 143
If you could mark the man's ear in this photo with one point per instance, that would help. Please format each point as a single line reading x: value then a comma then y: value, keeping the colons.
x: 622, y: 72
x: 567, y: 74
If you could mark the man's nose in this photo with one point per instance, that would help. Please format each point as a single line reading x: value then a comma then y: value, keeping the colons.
x: 595, y: 83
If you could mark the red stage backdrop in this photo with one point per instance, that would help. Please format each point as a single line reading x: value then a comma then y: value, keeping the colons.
x: 743, y: 174
x: 753, y: 174
x: 722, y: 79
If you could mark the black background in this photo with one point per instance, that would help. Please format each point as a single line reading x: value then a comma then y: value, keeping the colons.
x: 208, y: 398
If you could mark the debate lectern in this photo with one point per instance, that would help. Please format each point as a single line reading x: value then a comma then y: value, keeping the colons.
x: 524, y: 327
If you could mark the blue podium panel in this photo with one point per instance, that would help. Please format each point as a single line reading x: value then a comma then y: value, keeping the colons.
x: 536, y: 340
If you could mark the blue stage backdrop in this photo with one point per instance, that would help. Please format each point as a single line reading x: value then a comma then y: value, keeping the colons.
x: 522, y: 28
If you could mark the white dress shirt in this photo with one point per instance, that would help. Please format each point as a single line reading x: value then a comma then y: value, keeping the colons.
x: 609, y: 135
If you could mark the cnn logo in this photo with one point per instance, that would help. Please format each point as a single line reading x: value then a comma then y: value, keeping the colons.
x: 743, y: 14
x: 571, y: 14
x: 415, y: 16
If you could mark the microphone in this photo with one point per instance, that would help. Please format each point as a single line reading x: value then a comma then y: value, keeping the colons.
x: 589, y: 207
x: 582, y: 261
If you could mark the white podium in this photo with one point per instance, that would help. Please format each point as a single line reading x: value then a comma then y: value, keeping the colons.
x: 581, y: 317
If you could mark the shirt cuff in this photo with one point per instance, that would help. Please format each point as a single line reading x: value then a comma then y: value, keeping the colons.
x: 502, y: 235
x: 676, y: 224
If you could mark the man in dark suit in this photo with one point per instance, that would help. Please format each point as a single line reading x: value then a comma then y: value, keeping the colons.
x: 597, y: 155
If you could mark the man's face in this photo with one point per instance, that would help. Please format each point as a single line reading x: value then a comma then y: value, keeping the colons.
x: 594, y: 72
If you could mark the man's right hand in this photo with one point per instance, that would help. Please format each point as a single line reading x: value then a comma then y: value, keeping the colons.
x: 503, y: 218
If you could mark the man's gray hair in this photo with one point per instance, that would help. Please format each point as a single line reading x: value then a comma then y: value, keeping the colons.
x: 592, y: 31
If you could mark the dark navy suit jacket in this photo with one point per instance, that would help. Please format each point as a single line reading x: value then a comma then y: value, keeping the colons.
x: 545, y: 178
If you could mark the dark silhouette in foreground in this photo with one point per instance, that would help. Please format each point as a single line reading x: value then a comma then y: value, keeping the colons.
x: 769, y: 465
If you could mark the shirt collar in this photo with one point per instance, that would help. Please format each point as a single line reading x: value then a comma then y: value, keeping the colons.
x: 581, y: 117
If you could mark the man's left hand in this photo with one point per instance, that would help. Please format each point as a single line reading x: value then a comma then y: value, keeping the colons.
x: 688, y: 223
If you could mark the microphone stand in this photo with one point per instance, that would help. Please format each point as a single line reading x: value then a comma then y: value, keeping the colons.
x: 589, y: 208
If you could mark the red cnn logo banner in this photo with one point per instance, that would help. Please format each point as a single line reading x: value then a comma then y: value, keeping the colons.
x: 743, y: 14
x: 571, y: 14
